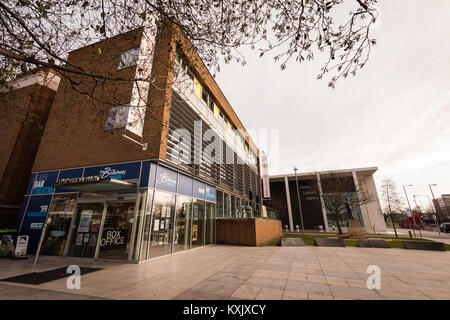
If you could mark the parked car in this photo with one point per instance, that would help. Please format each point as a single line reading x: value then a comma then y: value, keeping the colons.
x: 445, y: 227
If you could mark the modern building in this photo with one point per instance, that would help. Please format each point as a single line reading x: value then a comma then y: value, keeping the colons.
x: 442, y: 206
x: 25, y: 109
x: 316, y: 215
x: 131, y: 169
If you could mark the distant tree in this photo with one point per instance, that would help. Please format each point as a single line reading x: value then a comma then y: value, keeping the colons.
x: 392, y: 202
x: 338, y: 194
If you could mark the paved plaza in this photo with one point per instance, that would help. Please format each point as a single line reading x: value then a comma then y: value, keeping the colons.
x: 235, y: 272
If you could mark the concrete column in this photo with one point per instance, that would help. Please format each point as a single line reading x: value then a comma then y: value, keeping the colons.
x: 288, y: 199
x: 322, y: 203
x: 368, y: 226
x: 374, y: 207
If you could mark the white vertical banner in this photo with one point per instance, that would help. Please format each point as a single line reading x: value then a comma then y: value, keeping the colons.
x: 265, y: 176
x: 139, y: 95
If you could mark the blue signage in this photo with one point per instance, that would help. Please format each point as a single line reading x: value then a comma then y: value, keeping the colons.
x: 21, y: 212
x: 124, y: 171
x: 185, y: 185
x: 34, y: 220
x: 44, y: 182
x: 66, y: 174
x: 30, y: 183
x: 166, y: 179
x: 199, y: 189
x: 210, y: 193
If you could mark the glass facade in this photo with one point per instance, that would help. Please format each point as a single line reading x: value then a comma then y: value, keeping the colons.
x: 58, y: 225
x: 161, y: 227
x: 167, y: 212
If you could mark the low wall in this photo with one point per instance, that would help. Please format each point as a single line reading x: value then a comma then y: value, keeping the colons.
x: 248, y: 232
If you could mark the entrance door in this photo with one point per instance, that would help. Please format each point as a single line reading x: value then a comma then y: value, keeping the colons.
x: 116, y: 237
x: 85, y: 230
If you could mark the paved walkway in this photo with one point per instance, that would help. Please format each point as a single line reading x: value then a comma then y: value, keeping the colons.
x: 233, y: 272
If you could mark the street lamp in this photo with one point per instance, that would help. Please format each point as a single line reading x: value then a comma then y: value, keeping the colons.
x: 438, y: 214
x: 435, y: 213
x: 299, y: 204
x: 410, y: 210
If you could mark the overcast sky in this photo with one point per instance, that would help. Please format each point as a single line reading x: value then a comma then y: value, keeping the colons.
x: 395, y: 114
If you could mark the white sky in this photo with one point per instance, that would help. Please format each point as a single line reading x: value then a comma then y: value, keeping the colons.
x: 395, y: 114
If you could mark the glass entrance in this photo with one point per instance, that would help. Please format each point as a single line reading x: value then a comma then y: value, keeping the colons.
x: 116, y: 236
x: 85, y: 230
x: 162, y: 224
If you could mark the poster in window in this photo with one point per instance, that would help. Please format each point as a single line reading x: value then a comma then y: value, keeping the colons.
x: 156, y: 225
x: 85, y: 220
x: 79, y: 239
x: 162, y: 224
x: 194, y: 232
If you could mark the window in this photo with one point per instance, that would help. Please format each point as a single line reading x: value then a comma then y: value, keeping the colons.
x: 204, y: 95
x: 128, y: 58
x: 117, y: 117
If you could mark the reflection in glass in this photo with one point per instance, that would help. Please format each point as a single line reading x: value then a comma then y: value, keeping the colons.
x: 182, y: 236
x: 198, y: 221
x: 210, y: 223
x: 115, y: 242
x: 233, y: 207
x: 162, y: 220
x: 85, y: 230
x: 140, y: 219
x: 58, y: 224
x: 147, y: 226
x: 219, y: 206
x: 227, y: 205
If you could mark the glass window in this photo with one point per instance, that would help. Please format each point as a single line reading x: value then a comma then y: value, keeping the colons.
x: 227, y: 205
x: 140, y: 223
x: 210, y: 228
x: 233, y: 207
x: 182, y: 234
x: 117, y: 117
x: 128, y: 58
x: 58, y: 224
x: 204, y: 95
x: 162, y: 220
x: 219, y: 206
x: 147, y: 226
x: 198, y: 221
x: 85, y: 230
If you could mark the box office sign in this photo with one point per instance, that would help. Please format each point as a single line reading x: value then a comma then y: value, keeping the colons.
x: 113, y: 239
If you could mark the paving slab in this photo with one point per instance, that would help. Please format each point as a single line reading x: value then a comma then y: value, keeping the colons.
x: 222, y: 272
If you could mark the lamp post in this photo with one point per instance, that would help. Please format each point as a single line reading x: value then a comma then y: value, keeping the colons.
x: 299, y: 204
x: 435, y: 213
x: 409, y: 205
x: 419, y: 210
x: 438, y: 215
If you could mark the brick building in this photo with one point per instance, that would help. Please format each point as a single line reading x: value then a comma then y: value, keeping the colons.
x: 25, y: 110
x: 130, y: 169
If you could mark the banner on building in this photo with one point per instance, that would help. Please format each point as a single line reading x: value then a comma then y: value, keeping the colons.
x: 139, y: 95
x: 265, y: 176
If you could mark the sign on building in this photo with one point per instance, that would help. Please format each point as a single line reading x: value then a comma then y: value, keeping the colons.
x: 139, y: 95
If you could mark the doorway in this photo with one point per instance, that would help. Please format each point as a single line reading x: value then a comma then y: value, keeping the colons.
x: 103, y: 229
